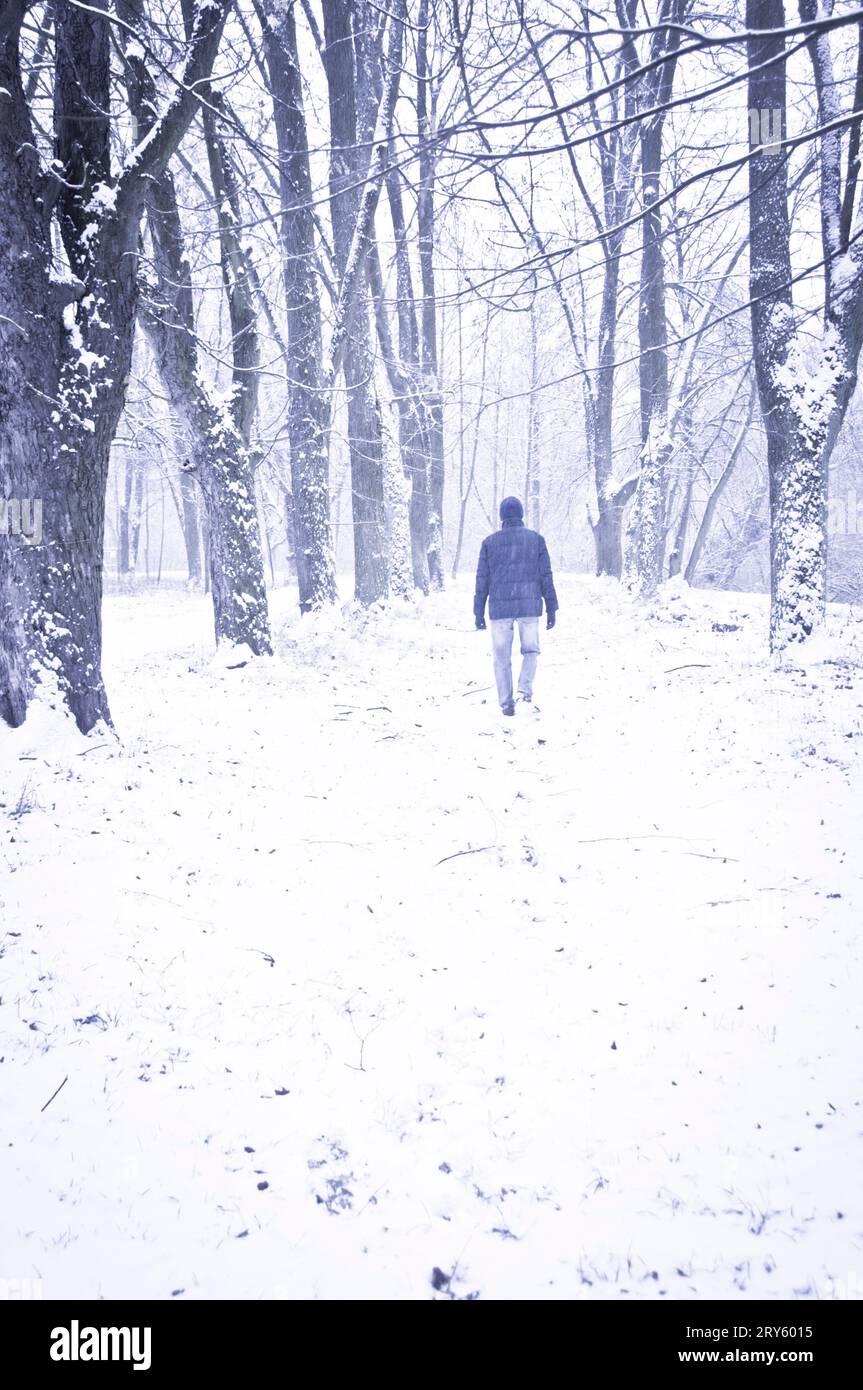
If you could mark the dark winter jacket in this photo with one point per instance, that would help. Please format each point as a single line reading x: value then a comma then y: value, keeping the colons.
x: 514, y: 574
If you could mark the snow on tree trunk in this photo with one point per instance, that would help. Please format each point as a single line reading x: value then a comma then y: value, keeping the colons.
x: 429, y: 323
x: 406, y: 378
x: 797, y: 482
x: 350, y: 103
x: 646, y: 534
x: 215, y: 450
x: 69, y: 353
x: 805, y: 381
x: 643, y: 563
x: 608, y: 529
x: 616, y: 162
x: 68, y: 339
x: 398, y: 495
x: 308, y: 408
x: 226, y: 476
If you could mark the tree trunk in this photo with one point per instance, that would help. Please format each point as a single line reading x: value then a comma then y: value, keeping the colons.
x: 135, y: 517
x: 428, y: 340
x: 191, y: 529
x: 608, y: 530
x: 123, y: 511
x: 236, y: 278
x: 217, y: 437
x: 647, y: 525
x: 414, y: 414
x: 68, y: 360
x: 69, y: 344
x: 467, y: 476
x: 215, y: 451
x: 413, y: 433
x: 796, y: 470
x: 531, y: 471
x: 722, y: 481
x: 686, y: 450
x: 646, y: 538
x: 599, y: 412
x: 308, y: 409
x: 349, y: 160
x: 804, y: 386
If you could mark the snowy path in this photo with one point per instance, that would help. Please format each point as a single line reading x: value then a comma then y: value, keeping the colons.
x: 314, y: 1048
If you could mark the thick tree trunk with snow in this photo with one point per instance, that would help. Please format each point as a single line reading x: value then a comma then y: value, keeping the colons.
x: 608, y: 530
x: 397, y: 494
x: 308, y: 404
x: 804, y: 383
x: 797, y: 475
x: 415, y: 440
x: 217, y: 437
x: 68, y: 343
x: 349, y: 162
x: 68, y: 353
x: 215, y: 450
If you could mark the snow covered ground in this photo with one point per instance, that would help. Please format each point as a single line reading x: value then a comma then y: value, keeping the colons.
x: 356, y: 990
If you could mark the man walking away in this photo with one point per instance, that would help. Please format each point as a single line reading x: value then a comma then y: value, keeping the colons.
x: 514, y: 574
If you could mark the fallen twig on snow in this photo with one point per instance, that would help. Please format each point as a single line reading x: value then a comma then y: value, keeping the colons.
x: 459, y: 852
x: 480, y: 690
x: 256, y: 950
x: 56, y: 1093
x: 722, y: 857
x: 704, y: 665
x: 606, y: 839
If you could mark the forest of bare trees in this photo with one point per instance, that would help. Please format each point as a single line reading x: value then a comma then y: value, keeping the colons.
x: 290, y: 289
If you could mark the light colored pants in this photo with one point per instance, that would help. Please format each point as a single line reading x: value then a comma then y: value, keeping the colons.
x: 501, y: 647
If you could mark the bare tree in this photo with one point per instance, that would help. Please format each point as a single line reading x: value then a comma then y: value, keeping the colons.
x: 805, y: 381
x: 308, y: 399
x: 350, y: 49
x: 426, y: 220
x: 216, y: 438
x: 67, y: 327
x: 646, y: 538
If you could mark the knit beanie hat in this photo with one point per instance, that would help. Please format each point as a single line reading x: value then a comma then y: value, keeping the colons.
x: 511, y: 509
